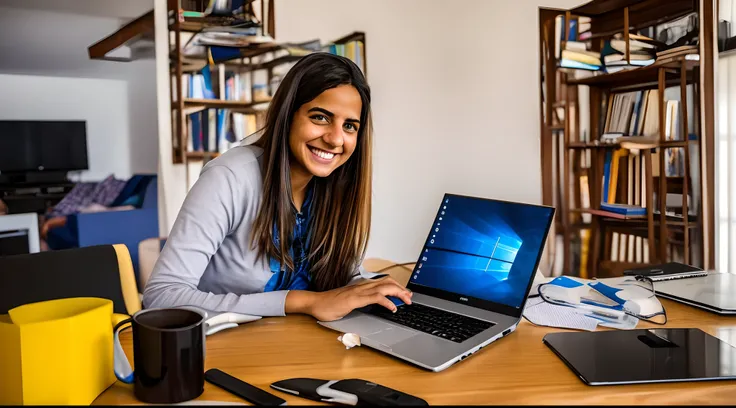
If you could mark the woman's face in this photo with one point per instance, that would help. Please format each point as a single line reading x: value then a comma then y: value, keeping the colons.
x: 324, y: 131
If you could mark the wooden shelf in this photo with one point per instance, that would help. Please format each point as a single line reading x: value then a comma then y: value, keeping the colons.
x: 597, y: 8
x: 607, y: 214
x: 201, y: 155
x: 638, y: 78
x: 631, y: 221
x: 197, y: 24
x: 354, y: 36
x: 196, y: 105
x: 607, y: 16
x: 286, y: 59
x: 642, y: 222
x: 598, y: 145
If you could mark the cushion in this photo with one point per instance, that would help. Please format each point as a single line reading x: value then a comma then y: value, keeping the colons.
x: 135, y: 186
x: 79, y: 197
x: 134, y: 200
x: 107, y: 190
x: 86, y: 193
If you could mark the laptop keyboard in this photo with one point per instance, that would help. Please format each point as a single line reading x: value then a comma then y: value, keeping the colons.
x: 447, y: 325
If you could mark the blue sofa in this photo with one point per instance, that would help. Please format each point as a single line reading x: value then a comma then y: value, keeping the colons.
x: 115, y: 227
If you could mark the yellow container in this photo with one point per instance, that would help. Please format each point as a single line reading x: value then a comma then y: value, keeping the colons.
x: 56, y: 352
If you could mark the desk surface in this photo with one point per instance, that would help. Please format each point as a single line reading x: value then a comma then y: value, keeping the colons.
x: 518, y: 369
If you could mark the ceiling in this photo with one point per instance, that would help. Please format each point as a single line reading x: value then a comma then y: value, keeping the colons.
x: 100, y: 8
x: 51, y: 37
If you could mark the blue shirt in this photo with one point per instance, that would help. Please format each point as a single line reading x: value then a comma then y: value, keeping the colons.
x: 299, y: 278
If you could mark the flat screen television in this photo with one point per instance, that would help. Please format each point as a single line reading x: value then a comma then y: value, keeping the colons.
x: 43, y: 145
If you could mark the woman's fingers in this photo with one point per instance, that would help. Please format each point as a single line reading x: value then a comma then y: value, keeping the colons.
x: 376, y: 292
x: 396, y: 290
x: 379, y: 296
x: 383, y: 301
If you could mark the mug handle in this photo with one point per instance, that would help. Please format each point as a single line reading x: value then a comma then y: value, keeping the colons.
x: 121, y: 366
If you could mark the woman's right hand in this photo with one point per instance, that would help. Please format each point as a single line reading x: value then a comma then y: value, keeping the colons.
x: 337, y: 303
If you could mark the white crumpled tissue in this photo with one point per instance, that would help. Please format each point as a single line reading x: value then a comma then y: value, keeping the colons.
x: 350, y: 340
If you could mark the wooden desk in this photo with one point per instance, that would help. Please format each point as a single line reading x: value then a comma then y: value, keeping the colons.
x: 518, y: 369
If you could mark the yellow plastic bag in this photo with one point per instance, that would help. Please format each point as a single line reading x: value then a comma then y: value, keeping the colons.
x: 56, y: 352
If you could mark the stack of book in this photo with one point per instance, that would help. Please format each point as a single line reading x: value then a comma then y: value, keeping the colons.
x: 624, y: 209
x: 642, y: 52
x: 572, y: 51
x: 690, y: 51
x: 576, y: 55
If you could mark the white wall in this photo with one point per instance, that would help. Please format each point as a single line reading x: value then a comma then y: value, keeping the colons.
x: 47, y: 76
x: 103, y: 103
x: 455, y: 102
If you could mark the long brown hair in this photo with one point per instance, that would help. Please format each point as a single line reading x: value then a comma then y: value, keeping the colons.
x: 341, y: 202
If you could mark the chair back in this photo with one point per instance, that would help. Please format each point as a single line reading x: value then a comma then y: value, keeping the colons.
x: 103, y: 271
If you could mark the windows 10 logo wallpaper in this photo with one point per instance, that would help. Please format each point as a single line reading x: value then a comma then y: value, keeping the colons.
x: 482, y: 248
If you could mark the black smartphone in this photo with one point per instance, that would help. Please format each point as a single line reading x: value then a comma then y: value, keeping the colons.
x: 242, y: 389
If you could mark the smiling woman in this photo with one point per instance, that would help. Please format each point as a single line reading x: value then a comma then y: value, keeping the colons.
x: 281, y: 226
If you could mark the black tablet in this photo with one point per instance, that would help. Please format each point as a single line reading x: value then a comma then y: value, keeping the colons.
x: 644, y: 356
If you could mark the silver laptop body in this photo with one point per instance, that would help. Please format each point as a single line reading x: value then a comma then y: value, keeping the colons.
x: 477, y: 231
x: 715, y: 292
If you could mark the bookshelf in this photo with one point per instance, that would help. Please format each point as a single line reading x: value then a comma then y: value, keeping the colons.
x: 627, y: 133
x: 242, y: 83
x: 224, y: 69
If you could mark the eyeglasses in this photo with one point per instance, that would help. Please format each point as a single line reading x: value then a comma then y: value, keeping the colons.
x: 610, y: 298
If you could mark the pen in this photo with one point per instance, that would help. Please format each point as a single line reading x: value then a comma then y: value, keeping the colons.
x: 616, y: 314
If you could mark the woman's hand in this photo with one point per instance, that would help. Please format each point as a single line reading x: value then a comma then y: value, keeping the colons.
x: 335, y: 304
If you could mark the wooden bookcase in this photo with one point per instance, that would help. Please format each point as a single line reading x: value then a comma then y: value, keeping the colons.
x: 183, y: 23
x: 251, y: 60
x: 574, y: 165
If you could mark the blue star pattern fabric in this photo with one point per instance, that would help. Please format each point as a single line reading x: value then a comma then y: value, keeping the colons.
x: 299, y: 278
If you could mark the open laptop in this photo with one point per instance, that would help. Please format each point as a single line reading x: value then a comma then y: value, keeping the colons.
x: 713, y: 292
x: 470, y: 283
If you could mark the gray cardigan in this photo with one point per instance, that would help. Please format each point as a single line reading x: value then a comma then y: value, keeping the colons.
x: 207, y: 260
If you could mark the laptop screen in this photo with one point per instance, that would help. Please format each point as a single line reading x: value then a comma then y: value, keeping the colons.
x: 482, y: 252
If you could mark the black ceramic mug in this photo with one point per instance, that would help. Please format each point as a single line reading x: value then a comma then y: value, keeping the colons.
x: 168, y: 355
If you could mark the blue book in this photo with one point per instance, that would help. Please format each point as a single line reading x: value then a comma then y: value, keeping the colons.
x: 606, y: 174
x: 624, y: 209
x: 196, y: 135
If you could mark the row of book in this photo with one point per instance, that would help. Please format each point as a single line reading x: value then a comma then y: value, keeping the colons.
x: 215, y: 130
x: 632, y: 114
x: 229, y: 82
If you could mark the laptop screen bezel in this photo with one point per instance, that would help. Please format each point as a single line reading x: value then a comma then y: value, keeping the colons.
x: 470, y: 300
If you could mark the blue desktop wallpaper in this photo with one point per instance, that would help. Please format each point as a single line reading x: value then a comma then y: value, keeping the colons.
x: 483, y: 248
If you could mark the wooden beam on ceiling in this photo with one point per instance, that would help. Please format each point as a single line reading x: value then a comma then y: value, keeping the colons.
x: 140, y: 27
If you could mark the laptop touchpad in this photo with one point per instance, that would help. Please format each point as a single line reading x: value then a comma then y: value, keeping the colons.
x: 391, y: 335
